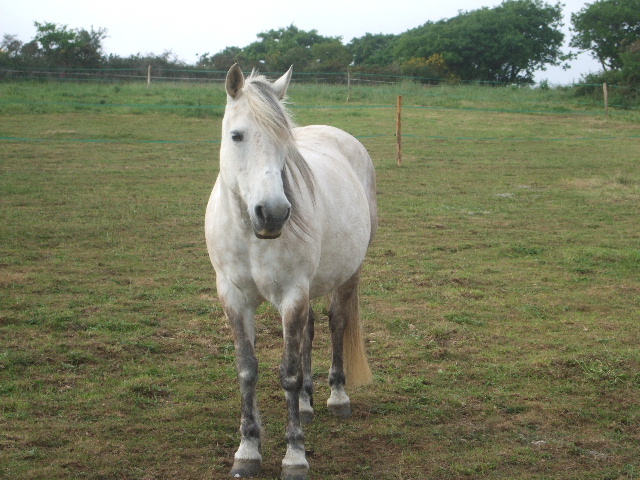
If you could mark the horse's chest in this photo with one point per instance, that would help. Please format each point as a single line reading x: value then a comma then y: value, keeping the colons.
x: 251, y: 267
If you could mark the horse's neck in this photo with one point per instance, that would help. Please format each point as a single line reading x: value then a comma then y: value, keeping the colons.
x: 301, y: 175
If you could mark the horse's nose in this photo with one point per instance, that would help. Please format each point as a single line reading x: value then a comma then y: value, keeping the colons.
x: 269, y: 219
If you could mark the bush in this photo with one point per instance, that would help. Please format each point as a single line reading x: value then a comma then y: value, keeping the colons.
x: 631, y: 64
x: 622, y: 93
x: 429, y: 70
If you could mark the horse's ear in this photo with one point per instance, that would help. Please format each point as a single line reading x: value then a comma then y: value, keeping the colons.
x: 280, y: 85
x: 235, y: 81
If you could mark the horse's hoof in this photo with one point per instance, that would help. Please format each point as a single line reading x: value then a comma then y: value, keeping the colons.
x: 245, y: 468
x: 295, y: 473
x: 306, y: 417
x: 341, y: 411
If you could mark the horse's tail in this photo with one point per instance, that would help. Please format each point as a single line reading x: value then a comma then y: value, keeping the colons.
x: 356, y: 366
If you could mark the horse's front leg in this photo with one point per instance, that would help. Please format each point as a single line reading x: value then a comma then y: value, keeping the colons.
x: 306, y: 395
x: 247, y: 459
x: 295, y: 317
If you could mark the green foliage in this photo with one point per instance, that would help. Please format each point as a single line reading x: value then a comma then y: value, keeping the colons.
x: 224, y: 59
x: 277, y: 50
x: 372, y: 50
x: 503, y: 44
x: 10, y: 46
x: 429, y: 70
x: 418, y: 68
x: 58, y: 46
x: 630, y: 58
x: 330, y: 56
x: 626, y: 80
x: 159, y: 62
x: 607, y: 28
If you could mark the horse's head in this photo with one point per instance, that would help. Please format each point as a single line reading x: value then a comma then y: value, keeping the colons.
x: 256, y: 137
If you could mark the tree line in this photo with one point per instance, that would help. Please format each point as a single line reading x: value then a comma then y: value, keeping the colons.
x: 507, y: 43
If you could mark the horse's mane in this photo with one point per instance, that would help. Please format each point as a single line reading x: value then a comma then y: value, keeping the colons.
x: 272, y: 115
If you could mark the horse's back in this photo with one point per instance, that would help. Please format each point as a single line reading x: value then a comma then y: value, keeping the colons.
x: 323, y: 138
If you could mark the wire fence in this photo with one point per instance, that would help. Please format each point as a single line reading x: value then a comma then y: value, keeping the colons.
x: 112, y: 75
x: 517, y: 102
x: 149, y: 74
x: 359, y: 137
x: 442, y: 97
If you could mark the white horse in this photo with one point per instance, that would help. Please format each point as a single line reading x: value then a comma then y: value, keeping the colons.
x: 290, y: 218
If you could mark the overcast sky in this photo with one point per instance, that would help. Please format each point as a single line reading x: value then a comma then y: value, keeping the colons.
x: 190, y: 28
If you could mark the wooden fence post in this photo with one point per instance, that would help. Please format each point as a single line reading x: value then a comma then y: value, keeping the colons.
x: 348, y: 83
x: 399, y: 130
x: 148, y: 76
x: 606, y: 99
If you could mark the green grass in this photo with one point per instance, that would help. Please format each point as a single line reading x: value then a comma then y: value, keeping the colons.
x: 207, y: 100
x: 501, y: 295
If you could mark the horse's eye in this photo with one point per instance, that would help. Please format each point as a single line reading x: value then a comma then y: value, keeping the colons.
x: 237, y: 136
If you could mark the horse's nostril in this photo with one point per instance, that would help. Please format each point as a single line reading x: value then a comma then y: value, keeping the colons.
x: 263, y: 214
x: 260, y: 214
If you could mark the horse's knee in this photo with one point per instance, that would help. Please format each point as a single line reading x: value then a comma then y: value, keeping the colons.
x: 248, y: 378
x: 291, y: 383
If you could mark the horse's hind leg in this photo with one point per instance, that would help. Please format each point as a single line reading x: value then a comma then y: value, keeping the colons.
x: 341, y: 310
x: 306, y: 395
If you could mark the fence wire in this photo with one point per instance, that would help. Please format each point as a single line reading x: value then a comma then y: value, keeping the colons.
x: 196, y: 75
x: 432, y: 99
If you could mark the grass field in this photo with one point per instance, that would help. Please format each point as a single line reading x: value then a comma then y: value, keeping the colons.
x: 501, y: 296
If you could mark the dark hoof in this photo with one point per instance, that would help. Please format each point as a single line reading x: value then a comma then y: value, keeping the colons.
x: 341, y: 411
x: 306, y: 417
x: 295, y: 473
x: 245, y: 468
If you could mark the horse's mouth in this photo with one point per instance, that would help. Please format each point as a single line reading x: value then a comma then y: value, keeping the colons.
x: 267, y: 236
